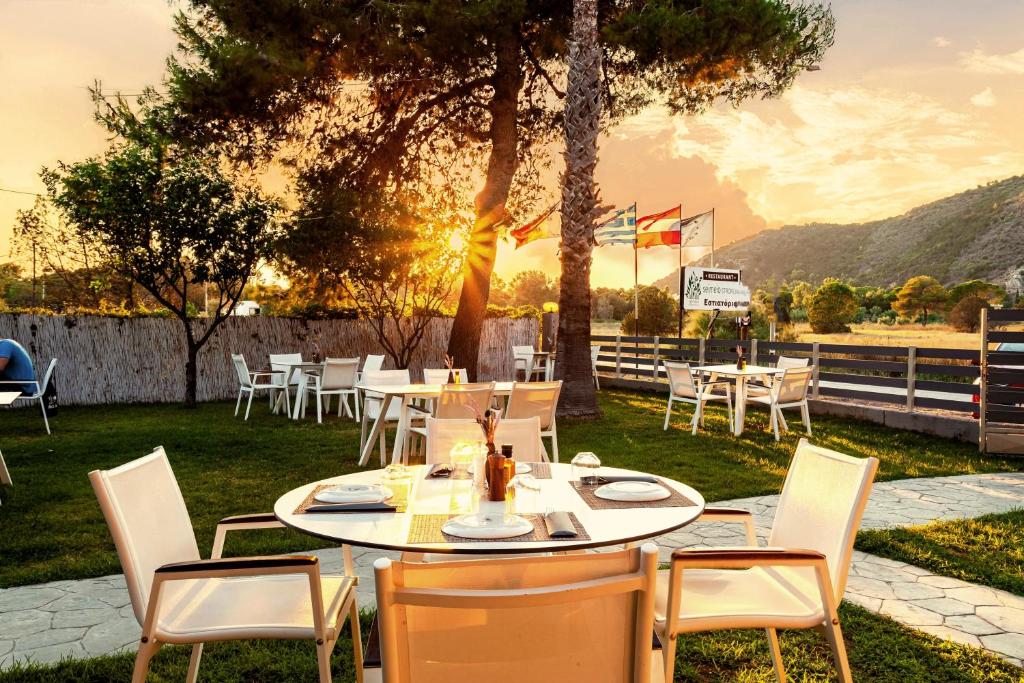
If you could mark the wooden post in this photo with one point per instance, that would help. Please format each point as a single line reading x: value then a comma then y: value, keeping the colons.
x: 657, y: 355
x: 815, y: 357
x: 618, y: 356
x: 911, y: 376
x: 771, y: 330
x: 700, y: 351
x: 753, y: 352
x: 983, y: 385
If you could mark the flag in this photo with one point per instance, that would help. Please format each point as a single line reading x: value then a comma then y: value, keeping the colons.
x: 619, y: 229
x: 542, y: 227
x: 699, y: 230
x: 670, y: 237
x: 666, y: 220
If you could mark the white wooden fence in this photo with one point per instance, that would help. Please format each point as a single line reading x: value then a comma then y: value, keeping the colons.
x: 142, y: 360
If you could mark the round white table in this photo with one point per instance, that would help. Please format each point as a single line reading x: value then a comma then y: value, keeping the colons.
x: 390, y: 530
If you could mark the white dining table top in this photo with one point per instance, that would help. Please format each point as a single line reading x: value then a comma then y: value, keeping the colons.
x: 731, y: 370
x: 8, y: 397
x: 389, y: 530
x: 423, y: 389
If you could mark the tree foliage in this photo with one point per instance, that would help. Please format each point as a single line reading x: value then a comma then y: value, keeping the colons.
x: 832, y: 307
x: 966, y: 314
x: 659, y: 313
x: 988, y: 291
x: 920, y: 295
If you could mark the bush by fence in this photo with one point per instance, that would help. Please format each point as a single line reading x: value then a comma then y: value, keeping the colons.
x: 142, y: 360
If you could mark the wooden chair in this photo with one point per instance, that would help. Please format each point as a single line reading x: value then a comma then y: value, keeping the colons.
x: 179, y: 598
x: 796, y: 583
x: 545, y: 620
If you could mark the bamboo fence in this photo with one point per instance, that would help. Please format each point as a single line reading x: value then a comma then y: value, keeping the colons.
x: 103, y: 360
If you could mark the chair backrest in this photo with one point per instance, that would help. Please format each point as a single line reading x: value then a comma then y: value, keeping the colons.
x: 786, y: 362
x: 680, y: 379
x: 441, y: 375
x: 386, y: 377
x: 47, y: 376
x: 822, y: 504
x: 791, y: 387
x: 339, y: 373
x: 595, y: 351
x: 373, y: 363
x: 463, y: 401
x: 147, y: 517
x: 534, y: 399
x: 241, y: 369
x: 542, y: 619
x: 522, y: 351
x: 524, y: 435
x: 282, y: 361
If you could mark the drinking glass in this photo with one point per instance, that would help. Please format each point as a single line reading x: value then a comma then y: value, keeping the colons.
x: 398, y: 478
x: 461, y: 456
x: 584, y: 467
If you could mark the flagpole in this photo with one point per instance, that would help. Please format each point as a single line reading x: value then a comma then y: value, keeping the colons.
x: 680, y: 335
x: 712, y: 237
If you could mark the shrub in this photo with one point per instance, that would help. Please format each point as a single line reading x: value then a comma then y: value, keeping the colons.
x: 966, y: 315
x: 832, y: 308
x: 659, y: 313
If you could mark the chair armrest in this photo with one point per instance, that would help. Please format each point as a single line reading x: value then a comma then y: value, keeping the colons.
x: 240, y: 566
x: 262, y: 520
x: 733, y: 515
x: 744, y: 558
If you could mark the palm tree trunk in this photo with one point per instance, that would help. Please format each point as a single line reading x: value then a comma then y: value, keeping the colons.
x: 579, y: 210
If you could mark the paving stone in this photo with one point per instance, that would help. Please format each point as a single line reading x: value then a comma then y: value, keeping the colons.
x: 75, y: 601
x: 15, y: 599
x: 25, y: 622
x: 110, y: 635
x: 972, y: 624
x: 943, y: 582
x: 50, y: 654
x: 1006, y: 618
x: 947, y: 633
x: 876, y: 571
x: 1010, y: 644
x: 910, y: 614
x: 871, y: 604
x: 6, y: 646
x: 906, y: 590
x: 975, y: 595
x: 947, y: 607
x: 52, y: 636
x: 84, y: 617
x: 872, y: 588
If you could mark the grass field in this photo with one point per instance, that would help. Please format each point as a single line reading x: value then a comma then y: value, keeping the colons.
x: 988, y: 550
x: 54, y: 530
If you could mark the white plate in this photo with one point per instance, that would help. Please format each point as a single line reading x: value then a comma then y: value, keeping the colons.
x: 354, y: 493
x: 521, y: 468
x: 487, y: 525
x: 632, y: 491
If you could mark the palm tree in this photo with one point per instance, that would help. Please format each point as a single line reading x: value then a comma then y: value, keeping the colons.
x: 579, y: 210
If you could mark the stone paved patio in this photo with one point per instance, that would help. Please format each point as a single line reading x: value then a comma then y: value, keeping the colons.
x: 90, y: 617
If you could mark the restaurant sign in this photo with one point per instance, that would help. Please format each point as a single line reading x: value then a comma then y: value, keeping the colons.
x: 714, y: 289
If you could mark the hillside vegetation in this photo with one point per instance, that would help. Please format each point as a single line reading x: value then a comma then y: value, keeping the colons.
x: 975, y: 234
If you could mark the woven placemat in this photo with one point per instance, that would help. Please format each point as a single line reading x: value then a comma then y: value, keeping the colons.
x: 676, y: 500
x: 311, y: 500
x: 427, y: 529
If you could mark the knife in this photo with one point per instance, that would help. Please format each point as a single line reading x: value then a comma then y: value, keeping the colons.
x: 614, y: 478
x: 352, y: 507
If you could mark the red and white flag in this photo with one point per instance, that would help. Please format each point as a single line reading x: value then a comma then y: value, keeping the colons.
x: 666, y: 220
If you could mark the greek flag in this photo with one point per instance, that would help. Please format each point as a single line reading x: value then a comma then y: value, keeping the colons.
x: 619, y: 229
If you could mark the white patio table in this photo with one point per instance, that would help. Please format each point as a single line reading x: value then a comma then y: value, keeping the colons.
x: 406, y: 393
x: 547, y: 358
x: 763, y: 372
x: 302, y: 368
x: 390, y: 530
x: 6, y: 399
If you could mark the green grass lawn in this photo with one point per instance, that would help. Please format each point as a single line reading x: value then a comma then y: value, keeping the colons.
x: 880, y: 650
x: 988, y: 550
x: 53, y: 529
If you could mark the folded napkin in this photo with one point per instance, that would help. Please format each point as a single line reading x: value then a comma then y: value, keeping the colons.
x: 440, y: 471
x: 526, y: 481
x: 559, y: 525
x: 351, y: 507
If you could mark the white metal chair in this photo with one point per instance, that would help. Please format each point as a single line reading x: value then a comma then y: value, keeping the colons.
x: 441, y: 375
x: 537, y: 399
x: 797, y: 582
x: 338, y: 378
x: 249, y: 382
x: 179, y: 598
x: 685, y: 388
x: 524, y: 435
x: 37, y: 393
x: 285, y: 377
x: 522, y: 359
x: 783, y: 363
x: 457, y: 402
x: 584, y: 617
x: 595, y: 351
x: 372, y: 404
x: 787, y: 391
x: 373, y: 363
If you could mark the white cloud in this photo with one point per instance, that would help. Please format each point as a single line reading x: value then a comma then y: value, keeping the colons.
x: 979, y: 61
x: 844, y: 154
x: 941, y: 41
x: 985, y: 98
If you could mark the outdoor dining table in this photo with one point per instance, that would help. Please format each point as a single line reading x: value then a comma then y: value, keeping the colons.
x: 6, y: 399
x: 763, y: 372
x: 406, y: 393
x: 391, y: 530
x: 300, y: 396
x: 545, y: 357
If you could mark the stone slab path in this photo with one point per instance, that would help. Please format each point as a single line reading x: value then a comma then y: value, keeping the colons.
x: 90, y: 617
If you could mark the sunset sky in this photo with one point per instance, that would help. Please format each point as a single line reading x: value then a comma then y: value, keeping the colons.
x: 917, y: 100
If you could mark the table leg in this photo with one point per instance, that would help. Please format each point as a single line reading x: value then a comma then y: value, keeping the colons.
x: 529, y: 369
x: 549, y: 369
x: 374, y: 435
x: 398, y: 448
x: 741, y: 403
x: 5, y: 476
x: 300, y: 396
